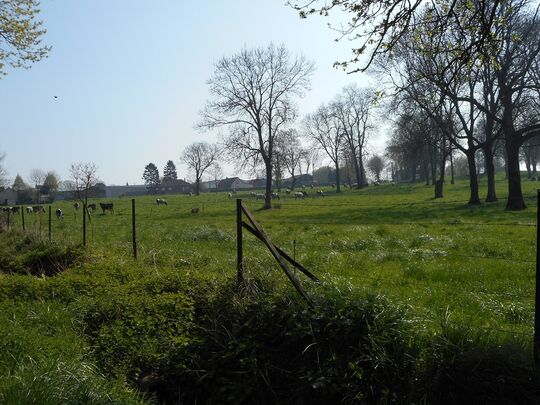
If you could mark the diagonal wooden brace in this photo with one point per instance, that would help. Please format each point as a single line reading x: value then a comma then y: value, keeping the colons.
x: 277, y: 256
x: 283, y: 254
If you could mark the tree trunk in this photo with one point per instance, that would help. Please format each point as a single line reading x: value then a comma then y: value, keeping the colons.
x: 362, y: 181
x: 490, y: 172
x: 426, y: 171
x: 515, y: 196
x: 413, y: 172
x: 268, y: 194
x: 338, y: 188
x: 473, y: 178
x: 439, y: 184
x: 432, y: 165
x: 356, y: 168
x: 527, y: 162
x: 452, y: 180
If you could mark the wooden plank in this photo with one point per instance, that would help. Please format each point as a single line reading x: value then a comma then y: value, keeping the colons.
x: 277, y: 256
x: 284, y: 255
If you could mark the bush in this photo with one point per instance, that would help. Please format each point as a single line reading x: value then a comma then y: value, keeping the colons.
x: 271, y: 349
x: 26, y: 255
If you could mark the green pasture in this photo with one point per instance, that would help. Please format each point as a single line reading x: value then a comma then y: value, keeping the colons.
x: 435, y: 256
x: 446, y: 265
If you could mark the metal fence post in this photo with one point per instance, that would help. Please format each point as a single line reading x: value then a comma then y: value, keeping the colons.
x: 50, y: 223
x: 134, y: 236
x: 84, y: 225
x: 239, y: 250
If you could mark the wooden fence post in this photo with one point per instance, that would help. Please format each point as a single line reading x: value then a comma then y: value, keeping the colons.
x: 8, y: 217
x: 22, y: 213
x: 134, y: 236
x: 50, y: 209
x: 239, y: 247
x: 536, y: 345
x: 84, y: 225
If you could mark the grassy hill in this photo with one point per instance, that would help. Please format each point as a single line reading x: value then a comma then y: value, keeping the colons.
x: 420, y: 300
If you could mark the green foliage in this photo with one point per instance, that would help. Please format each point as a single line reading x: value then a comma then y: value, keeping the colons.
x: 151, y: 176
x: 42, y: 359
x: 134, y: 332
x: 271, y: 349
x: 169, y: 171
x: 21, y: 34
x: 26, y: 255
x: 421, y: 301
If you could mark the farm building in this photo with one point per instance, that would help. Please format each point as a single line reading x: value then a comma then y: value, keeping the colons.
x: 8, y: 196
x: 258, y: 183
x: 300, y: 180
x: 233, y: 183
x: 177, y: 186
x: 118, y: 191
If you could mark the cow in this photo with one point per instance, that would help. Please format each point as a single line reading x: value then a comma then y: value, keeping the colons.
x: 92, y: 207
x: 275, y: 196
x: 299, y: 194
x: 76, y: 206
x: 15, y: 210
x: 59, y: 213
x: 161, y: 201
x: 107, y: 207
x: 253, y: 194
x: 229, y: 196
x: 260, y: 196
x: 194, y: 210
x: 320, y: 193
x: 38, y: 208
x: 29, y: 210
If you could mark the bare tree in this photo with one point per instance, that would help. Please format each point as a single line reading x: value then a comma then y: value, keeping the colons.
x: 199, y: 156
x: 37, y: 176
x: 84, y: 177
x: 291, y: 152
x: 3, y: 172
x: 216, y: 173
x: 253, y: 94
x: 354, y: 108
x: 324, y: 128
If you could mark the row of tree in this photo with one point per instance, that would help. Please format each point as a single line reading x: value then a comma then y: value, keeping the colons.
x: 487, y: 105
x: 253, y: 94
x: 465, y: 77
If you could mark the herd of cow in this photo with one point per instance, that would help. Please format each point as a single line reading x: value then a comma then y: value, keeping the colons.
x: 160, y: 201
x: 275, y: 196
x: 40, y: 209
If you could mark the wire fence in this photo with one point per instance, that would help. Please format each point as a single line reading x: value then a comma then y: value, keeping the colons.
x: 149, y: 224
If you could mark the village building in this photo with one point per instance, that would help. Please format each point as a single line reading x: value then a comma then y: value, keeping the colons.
x: 174, y: 186
x: 233, y: 183
x: 8, y: 196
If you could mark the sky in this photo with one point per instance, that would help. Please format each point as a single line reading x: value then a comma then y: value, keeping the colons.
x: 130, y: 77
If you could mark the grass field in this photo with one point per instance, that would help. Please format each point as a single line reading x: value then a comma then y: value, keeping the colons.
x: 440, y: 261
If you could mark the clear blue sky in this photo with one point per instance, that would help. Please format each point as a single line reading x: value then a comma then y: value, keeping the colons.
x: 130, y: 77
